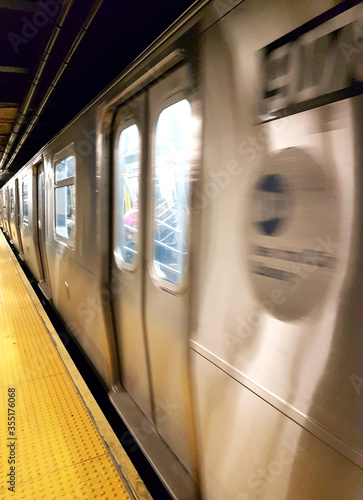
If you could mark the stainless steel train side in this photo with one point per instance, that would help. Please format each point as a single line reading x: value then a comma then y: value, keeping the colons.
x: 199, y: 228
x: 275, y: 357
x: 5, y: 192
x: 1, y: 209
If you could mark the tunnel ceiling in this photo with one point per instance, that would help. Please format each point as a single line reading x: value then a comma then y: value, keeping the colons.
x: 118, y: 33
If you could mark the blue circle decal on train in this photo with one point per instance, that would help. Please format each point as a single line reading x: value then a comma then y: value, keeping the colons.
x: 271, y: 204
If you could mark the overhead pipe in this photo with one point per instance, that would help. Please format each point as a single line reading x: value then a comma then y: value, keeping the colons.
x: 25, y: 106
x: 51, y: 87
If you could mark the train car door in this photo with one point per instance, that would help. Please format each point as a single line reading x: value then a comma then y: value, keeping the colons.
x: 167, y: 277
x: 128, y: 250
x: 39, y: 207
x: 152, y: 154
x: 19, y: 243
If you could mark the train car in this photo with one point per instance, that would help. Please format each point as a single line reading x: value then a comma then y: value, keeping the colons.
x: 14, y: 215
x: 30, y: 201
x: 7, y: 210
x: 199, y: 228
x: 1, y: 209
x: 4, y: 209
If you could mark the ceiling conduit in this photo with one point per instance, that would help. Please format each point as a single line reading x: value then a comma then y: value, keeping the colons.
x: 75, y: 44
x: 25, y: 106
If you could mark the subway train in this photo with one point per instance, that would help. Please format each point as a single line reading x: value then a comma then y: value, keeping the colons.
x: 199, y: 228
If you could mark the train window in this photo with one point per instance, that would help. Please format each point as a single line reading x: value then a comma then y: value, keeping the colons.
x: 25, y: 201
x: 64, y: 198
x: 171, y: 190
x: 12, y: 205
x: 128, y: 168
x: 64, y: 169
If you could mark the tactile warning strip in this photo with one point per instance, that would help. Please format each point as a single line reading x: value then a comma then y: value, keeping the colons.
x: 59, y: 453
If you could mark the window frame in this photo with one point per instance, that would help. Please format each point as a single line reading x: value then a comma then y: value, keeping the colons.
x: 12, y: 203
x: 159, y: 281
x: 69, y: 181
x: 120, y: 262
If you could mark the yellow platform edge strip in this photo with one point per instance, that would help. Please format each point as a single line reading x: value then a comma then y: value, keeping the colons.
x: 118, y: 455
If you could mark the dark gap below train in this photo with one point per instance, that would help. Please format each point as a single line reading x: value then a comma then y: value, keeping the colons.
x: 99, y: 392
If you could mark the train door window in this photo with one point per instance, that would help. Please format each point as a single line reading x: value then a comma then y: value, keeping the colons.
x: 25, y: 202
x: 64, y: 199
x: 12, y: 204
x: 127, y: 197
x: 172, y: 150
